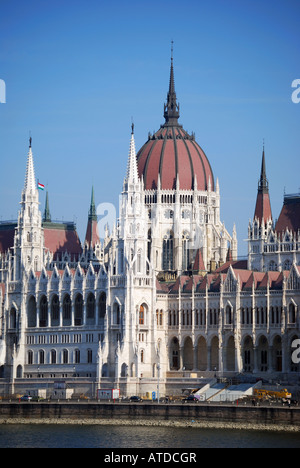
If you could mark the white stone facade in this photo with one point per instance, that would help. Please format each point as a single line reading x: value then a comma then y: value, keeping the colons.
x: 162, y: 300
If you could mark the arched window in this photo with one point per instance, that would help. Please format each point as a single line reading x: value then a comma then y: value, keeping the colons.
x: 228, y: 315
x: 168, y: 252
x: 55, y: 311
x: 79, y: 310
x: 42, y: 357
x: 43, y: 312
x: 142, y: 315
x: 67, y: 310
x: 90, y: 356
x: 30, y: 358
x: 102, y: 309
x: 185, y: 251
x: 53, y: 356
x: 13, y: 318
x: 19, y: 372
x: 91, y: 306
x: 292, y: 313
x: 116, y: 314
x: 65, y: 356
x: 77, y: 356
x: 31, y: 313
x: 272, y: 266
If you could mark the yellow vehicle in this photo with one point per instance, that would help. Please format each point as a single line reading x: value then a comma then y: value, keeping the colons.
x: 263, y: 393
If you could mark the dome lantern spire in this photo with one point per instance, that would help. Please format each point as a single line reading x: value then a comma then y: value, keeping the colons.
x: 171, y: 108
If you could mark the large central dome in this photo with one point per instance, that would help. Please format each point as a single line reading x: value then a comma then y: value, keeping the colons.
x: 172, y: 154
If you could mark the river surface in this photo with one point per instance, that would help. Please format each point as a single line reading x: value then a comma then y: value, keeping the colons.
x: 69, y: 436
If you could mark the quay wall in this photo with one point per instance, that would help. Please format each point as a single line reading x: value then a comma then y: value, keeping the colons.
x: 89, y: 411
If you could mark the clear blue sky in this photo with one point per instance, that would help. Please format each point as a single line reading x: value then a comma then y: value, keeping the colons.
x: 77, y: 71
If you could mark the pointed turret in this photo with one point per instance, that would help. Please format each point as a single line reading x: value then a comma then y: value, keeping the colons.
x: 29, y: 240
x: 30, y: 181
x: 132, y: 168
x: 92, y: 234
x: 47, y: 214
x: 263, y: 206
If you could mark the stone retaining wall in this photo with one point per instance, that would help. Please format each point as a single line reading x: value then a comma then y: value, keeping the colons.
x: 89, y: 411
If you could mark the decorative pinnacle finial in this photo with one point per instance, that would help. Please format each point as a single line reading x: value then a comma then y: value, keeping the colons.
x: 132, y: 128
x: 30, y: 142
x: 171, y: 108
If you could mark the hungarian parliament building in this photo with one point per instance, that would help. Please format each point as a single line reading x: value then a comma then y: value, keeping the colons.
x: 163, y: 297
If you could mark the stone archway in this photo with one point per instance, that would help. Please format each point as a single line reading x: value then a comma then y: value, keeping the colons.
x: 230, y: 354
x: 202, y: 354
x: 214, y: 353
x: 248, y: 354
x: 277, y: 354
x: 174, y: 354
x: 263, y: 354
x: 188, y: 354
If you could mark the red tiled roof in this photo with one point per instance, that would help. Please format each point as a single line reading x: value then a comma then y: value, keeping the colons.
x: 237, y: 264
x: 61, y: 239
x: 92, y: 233
x: 263, y: 207
x: 247, y: 279
x: 289, y: 216
x: 199, y: 263
x: 7, y: 237
x: 171, y: 152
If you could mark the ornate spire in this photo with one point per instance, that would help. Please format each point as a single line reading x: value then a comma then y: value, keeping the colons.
x: 92, y: 233
x: 47, y: 214
x: 171, y: 108
x: 263, y: 206
x: 92, y: 212
x: 263, y: 184
x: 30, y: 181
x: 132, y: 169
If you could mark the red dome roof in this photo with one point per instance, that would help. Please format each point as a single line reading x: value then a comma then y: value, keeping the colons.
x: 172, y: 152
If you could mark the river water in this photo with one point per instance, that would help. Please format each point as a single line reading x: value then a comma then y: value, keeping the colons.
x: 108, y: 437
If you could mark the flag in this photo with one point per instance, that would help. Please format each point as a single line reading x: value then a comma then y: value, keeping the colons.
x: 41, y: 186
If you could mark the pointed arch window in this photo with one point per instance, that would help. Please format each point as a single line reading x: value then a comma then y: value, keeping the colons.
x: 79, y: 310
x: 292, y: 313
x: 168, y: 252
x: 228, y: 315
x: 31, y: 311
x: 67, y: 310
x: 65, y: 356
x: 55, y: 310
x: 142, y: 315
x: 116, y: 314
x: 43, y: 312
x: 53, y: 356
x: 91, y: 306
x: 185, y: 251
x: 102, y: 309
